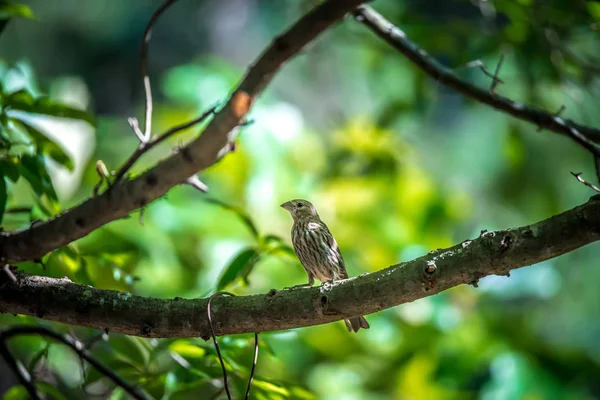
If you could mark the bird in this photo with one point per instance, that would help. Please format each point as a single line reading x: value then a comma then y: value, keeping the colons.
x: 318, y: 251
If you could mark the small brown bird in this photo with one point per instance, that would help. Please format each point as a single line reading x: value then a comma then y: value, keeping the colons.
x: 318, y: 251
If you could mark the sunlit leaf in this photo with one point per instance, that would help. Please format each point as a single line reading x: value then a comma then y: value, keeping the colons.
x: 8, y: 10
x: 239, y: 267
x: 22, y: 100
x: 271, y: 387
x: 187, y: 349
x: 240, y: 213
x: 16, y: 393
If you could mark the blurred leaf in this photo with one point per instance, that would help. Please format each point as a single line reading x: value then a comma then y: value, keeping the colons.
x: 270, y: 387
x: 9, y: 166
x: 130, y: 349
x: 187, y: 349
x: 16, y: 393
x: 272, y: 244
x: 33, y: 169
x: 239, y: 267
x: 240, y: 213
x: 44, y: 144
x: 50, y: 391
x: 23, y: 100
x: 39, y: 356
x: 121, y: 367
x: 3, y: 197
x: 8, y: 10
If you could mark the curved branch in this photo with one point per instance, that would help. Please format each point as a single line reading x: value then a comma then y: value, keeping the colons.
x: 127, y: 196
x: 586, y: 136
x: 74, y: 344
x: 491, y: 253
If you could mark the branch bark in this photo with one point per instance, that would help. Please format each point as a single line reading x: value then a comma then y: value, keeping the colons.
x: 491, y: 253
x: 127, y: 196
x: 586, y: 136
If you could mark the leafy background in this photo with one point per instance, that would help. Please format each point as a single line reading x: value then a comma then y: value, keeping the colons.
x: 397, y: 165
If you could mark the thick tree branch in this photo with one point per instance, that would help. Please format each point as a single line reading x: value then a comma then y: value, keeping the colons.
x: 491, y: 253
x: 586, y: 136
x: 127, y: 196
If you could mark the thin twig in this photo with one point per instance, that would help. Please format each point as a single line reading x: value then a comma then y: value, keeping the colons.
x: 254, y: 360
x: 144, y: 147
x: 479, y: 64
x: 495, y: 79
x: 197, y: 184
x: 103, y: 176
x: 146, y: 143
x: 23, y: 376
x: 144, y: 67
x: 556, y: 114
x: 88, y: 345
x: 580, y: 179
x: 214, y: 338
x: 584, y: 135
x: 74, y: 344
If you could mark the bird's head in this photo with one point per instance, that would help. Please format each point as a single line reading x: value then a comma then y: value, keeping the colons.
x: 300, y: 209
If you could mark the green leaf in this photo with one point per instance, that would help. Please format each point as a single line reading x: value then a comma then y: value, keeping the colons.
x: 9, y: 166
x: 33, y: 169
x: 39, y: 356
x: 239, y: 267
x: 16, y: 393
x: 8, y: 10
x: 272, y: 244
x: 240, y: 213
x: 44, y: 144
x: 3, y: 197
x: 24, y: 101
x: 51, y: 392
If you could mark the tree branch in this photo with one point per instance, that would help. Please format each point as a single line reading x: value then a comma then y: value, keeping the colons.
x: 69, y: 341
x: 491, y: 253
x: 127, y: 196
x: 586, y: 136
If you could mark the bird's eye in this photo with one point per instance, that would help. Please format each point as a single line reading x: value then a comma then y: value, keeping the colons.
x: 299, y: 205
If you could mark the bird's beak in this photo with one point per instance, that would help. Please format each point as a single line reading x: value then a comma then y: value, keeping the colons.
x: 287, y: 206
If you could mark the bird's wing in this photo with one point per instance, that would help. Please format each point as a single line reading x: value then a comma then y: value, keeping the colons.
x: 332, y: 244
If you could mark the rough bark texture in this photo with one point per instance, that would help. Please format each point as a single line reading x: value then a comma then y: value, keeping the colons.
x: 491, y: 253
x: 127, y: 196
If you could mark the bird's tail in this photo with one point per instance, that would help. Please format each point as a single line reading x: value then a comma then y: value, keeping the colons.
x: 355, y: 323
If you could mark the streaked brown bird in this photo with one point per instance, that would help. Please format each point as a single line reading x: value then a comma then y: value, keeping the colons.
x: 318, y: 251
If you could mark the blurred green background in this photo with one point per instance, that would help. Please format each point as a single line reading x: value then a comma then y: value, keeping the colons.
x: 396, y: 164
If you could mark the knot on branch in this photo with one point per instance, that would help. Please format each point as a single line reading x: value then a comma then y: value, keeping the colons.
x: 430, y: 275
x: 506, y: 242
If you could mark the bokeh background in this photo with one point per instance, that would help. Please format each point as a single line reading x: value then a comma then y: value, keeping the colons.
x: 397, y: 165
